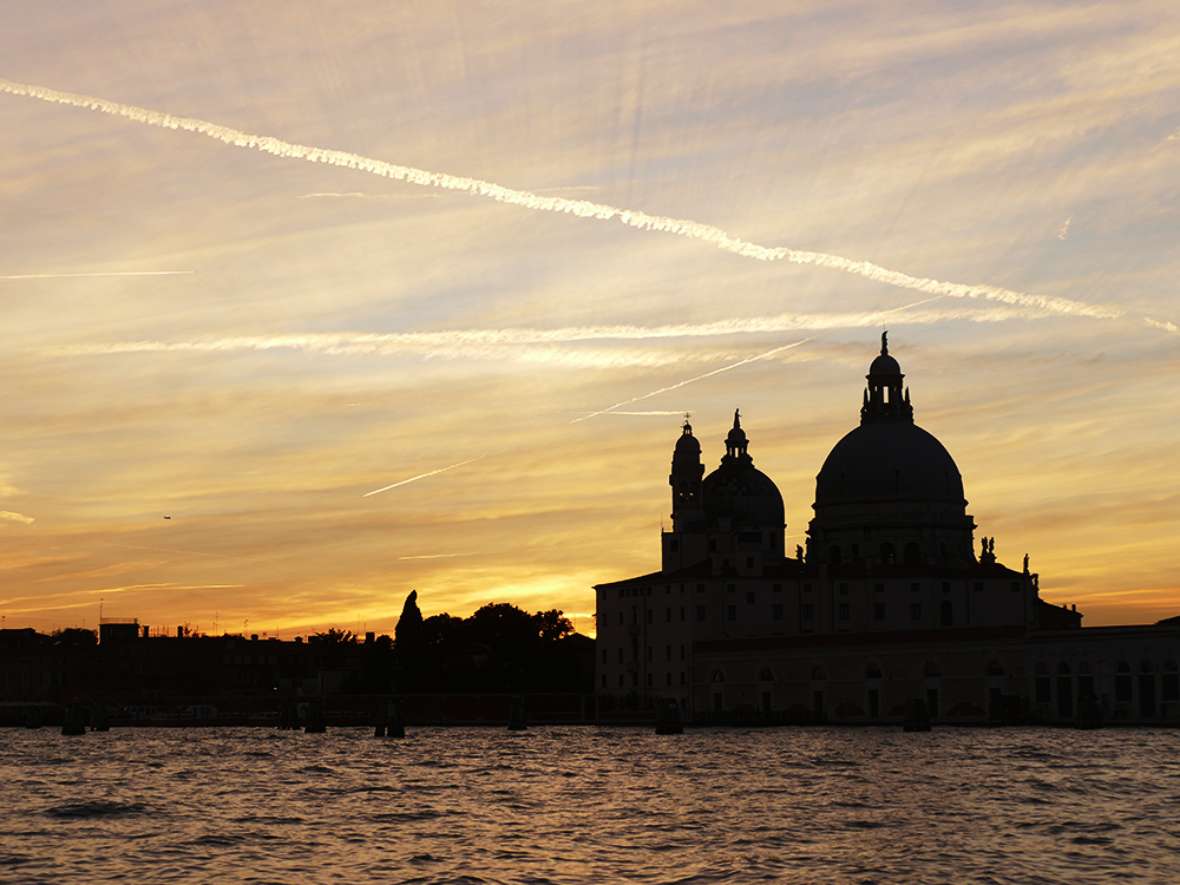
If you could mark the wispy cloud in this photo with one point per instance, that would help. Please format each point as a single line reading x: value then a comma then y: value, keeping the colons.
x: 693, y: 380
x: 1063, y: 231
x: 435, y: 556
x: 11, y: 516
x: 422, y: 476
x: 363, y: 195
x: 580, y: 208
x: 96, y: 273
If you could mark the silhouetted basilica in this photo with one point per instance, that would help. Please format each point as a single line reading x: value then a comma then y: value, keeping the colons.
x: 890, y: 609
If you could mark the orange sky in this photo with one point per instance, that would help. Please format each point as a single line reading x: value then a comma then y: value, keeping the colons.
x: 1028, y: 146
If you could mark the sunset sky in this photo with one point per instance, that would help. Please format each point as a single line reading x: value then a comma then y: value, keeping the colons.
x: 258, y: 391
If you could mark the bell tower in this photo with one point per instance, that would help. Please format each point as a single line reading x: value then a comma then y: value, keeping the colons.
x: 685, y: 544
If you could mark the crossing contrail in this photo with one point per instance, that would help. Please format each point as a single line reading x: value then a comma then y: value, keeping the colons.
x: 580, y: 208
x: 101, y: 273
x: 693, y: 380
x: 421, y: 476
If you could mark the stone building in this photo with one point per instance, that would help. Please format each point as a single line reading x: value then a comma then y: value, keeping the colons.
x: 889, y: 604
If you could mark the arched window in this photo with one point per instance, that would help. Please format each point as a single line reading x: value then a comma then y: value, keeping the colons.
x: 912, y: 554
x: 872, y: 671
x: 818, y: 674
x: 766, y: 675
x: 718, y: 676
x: 888, y: 553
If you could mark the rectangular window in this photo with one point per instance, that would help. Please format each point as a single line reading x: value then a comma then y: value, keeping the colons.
x: 620, y: 656
x: 749, y: 562
x: 604, y: 680
x: 667, y: 616
x: 731, y: 612
x: 668, y: 680
x: 776, y: 611
x: 843, y: 589
x: 634, y: 679
x: 620, y: 619
x: 729, y: 588
x: 667, y: 652
x: 914, y: 588
x: 649, y: 615
x: 879, y: 611
x: 649, y: 680
x: 682, y: 677
x: 844, y: 611
x: 946, y: 586
x: 604, y: 655
x: 750, y: 598
x: 682, y: 614
x: 915, y: 611
x: 809, y: 612
x: 620, y: 680
x: 701, y: 613
x: 777, y: 588
x: 880, y: 588
x: 700, y: 588
x: 978, y: 586
x: 806, y: 588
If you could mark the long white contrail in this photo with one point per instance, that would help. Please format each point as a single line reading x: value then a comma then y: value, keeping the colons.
x: 693, y: 380
x: 581, y: 208
x: 100, y: 273
x: 462, y: 341
x: 421, y: 476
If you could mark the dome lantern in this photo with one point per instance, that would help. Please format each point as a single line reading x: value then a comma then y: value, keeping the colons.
x: 736, y: 442
x: 884, y: 399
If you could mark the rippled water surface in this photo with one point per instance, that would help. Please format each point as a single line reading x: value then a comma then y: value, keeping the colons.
x: 586, y: 804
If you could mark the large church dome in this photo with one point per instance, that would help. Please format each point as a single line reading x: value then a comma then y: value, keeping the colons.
x: 889, y: 491
x: 888, y: 461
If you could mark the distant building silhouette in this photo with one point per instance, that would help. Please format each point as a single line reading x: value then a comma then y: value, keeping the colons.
x: 888, y: 606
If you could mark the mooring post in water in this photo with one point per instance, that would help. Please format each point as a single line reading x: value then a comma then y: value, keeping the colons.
x: 394, y: 726
x: 668, y: 719
x: 516, y: 717
x: 313, y: 722
x: 74, y: 722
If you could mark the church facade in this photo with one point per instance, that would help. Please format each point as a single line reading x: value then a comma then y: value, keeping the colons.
x: 890, y: 607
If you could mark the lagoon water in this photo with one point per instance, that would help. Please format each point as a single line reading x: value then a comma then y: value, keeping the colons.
x: 590, y: 805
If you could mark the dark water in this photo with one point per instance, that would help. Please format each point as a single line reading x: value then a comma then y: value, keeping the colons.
x: 584, y: 804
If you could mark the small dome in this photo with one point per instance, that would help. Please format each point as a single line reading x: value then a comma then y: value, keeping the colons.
x: 744, y: 495
x: 687, y: 445
x: 884, y: 364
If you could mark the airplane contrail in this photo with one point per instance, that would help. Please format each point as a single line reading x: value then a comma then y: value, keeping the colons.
x: 422, y: 476
x: 580, y: 208
x: 1164, y: 325
x: 687, y: 381
x: 338, y: 343
x: 661, y: 412
x: 104, y: 273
